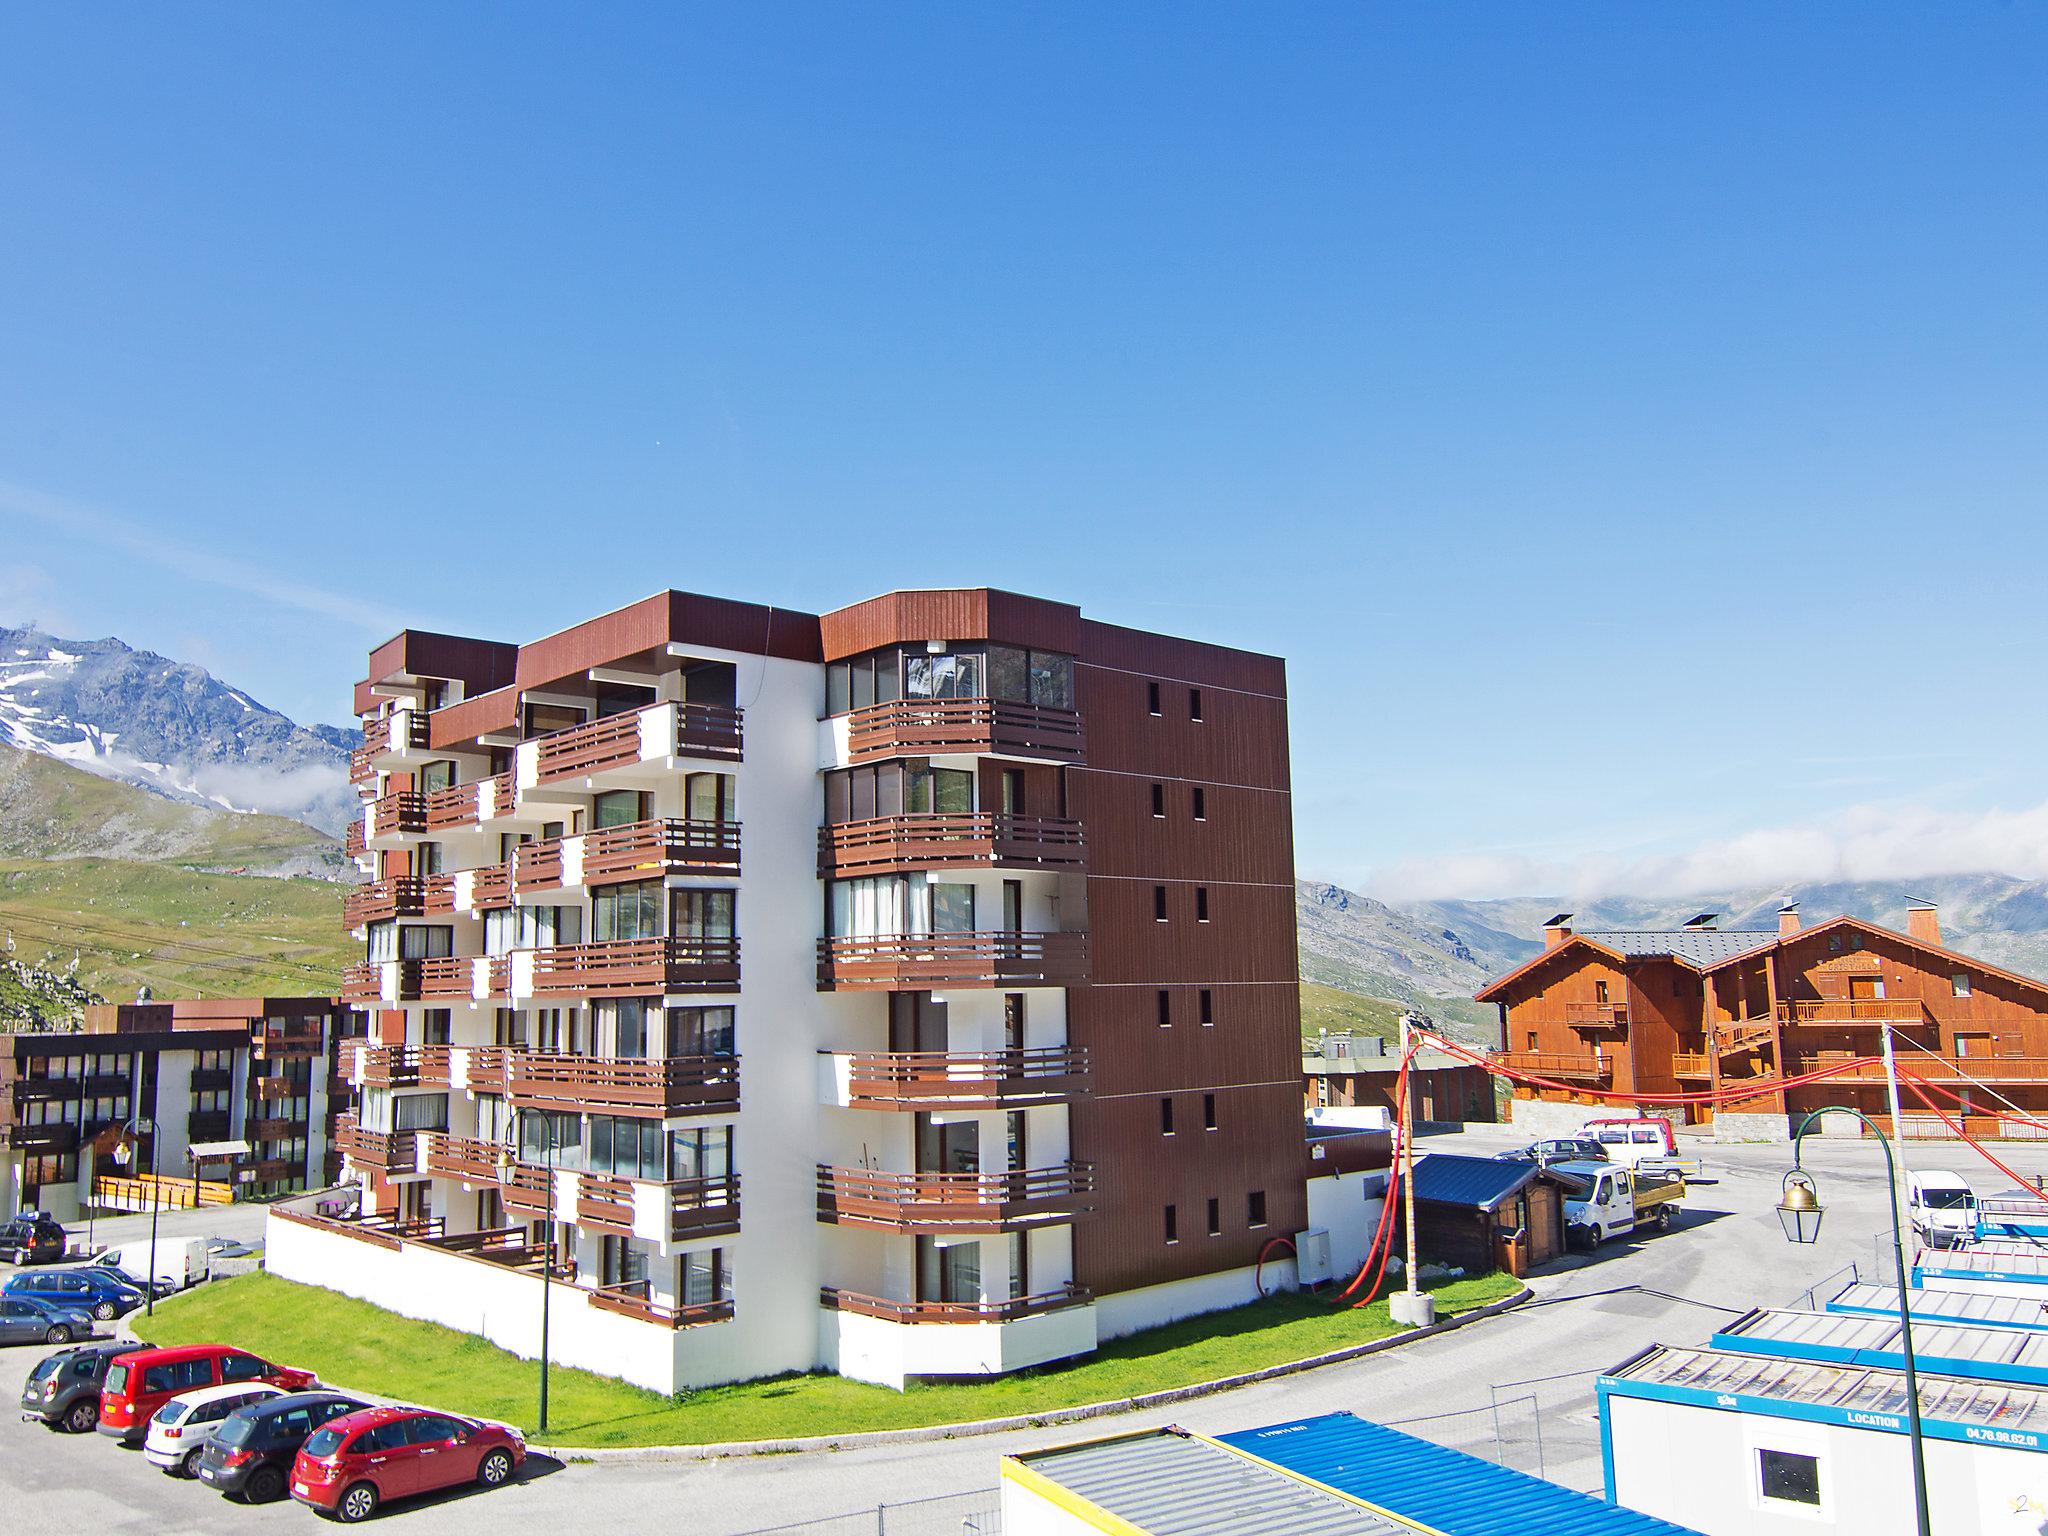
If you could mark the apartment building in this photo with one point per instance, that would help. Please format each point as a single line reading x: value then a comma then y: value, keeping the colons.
x: 907, y: 991
x: 256, y: 1074
x: 1701, y: 1007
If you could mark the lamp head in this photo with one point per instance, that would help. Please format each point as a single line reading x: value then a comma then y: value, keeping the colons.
x: 1799, y: 1208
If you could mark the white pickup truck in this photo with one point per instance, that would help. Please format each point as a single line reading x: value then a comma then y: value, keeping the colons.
x: 1603, y: 1201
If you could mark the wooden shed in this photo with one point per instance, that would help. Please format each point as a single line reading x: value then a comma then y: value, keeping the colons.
x: 1479, y: 1214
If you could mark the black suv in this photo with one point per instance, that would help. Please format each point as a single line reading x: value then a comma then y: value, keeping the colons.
x: 251, y: 1454
x: 31, y: 1238
x: 63, y: 1391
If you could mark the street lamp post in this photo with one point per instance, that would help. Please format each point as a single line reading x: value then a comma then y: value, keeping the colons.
x: 1800, y: 1211
x: 507, y: 1158
x: 135, y: 1123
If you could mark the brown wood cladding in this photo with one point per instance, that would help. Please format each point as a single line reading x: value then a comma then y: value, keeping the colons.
x: 1256, y: 1037
x: 1247, y: 832
x: 1250, y: 929
x: 1240, y: 739
x: 1183, y: 661
x: 962, y: 613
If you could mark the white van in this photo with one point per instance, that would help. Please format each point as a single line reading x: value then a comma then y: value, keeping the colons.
x: 1942, y: 1207
x: 183, y: 1261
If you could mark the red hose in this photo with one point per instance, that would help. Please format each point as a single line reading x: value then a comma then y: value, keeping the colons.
x: 1258, y: 1269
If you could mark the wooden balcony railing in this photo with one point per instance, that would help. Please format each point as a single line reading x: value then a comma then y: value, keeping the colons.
x: 664, y: 1086
x: 959, y: 1202
x: 616, y: 741
x: 706, y: 1207
x: 455, y: 806
x: 219, y: 1125
x: 271, y: 1089
x: 490, y: 888
x: 624, y: 967
x: 885, y: 844
x: 639, y: 850
x: 270, y: 1130
x: 383, y: 735
x: 445, y: 976
x: 967, y: 1080
x: 352, y: 839
x: 404, y: 1066
x: 604, y: 1203
x: 403, y: 896
x: 1689, y: 1064
x: 1596, y: 1015
x: 927, y: 727
x: 1008, y: 1311
x: 978, y: 959
x: 1988, y: 1071
x: 631, y: 1299
x: 278, y: 1170
x: 1575, y: 1068
x: 401, y: 813
x: 459, y: 1157
x: 1747, y: 1036
x: 489, y: 1069
x: 528, y: 1192
x: 362, y: 982
x: 288, y: 1042
x: 1906, y: 1011
x: 385, y: 1151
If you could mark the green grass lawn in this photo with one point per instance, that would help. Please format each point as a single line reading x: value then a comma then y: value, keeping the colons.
x: 354, y: 1344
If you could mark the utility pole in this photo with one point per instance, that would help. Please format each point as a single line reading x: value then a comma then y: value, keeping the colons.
x: 1891, y: 1081
x: 1411, y: 1306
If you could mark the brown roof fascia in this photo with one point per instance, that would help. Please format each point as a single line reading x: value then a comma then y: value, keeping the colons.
x: 1178, y: 660
x: 1487, y: 993
x: 950, y: 613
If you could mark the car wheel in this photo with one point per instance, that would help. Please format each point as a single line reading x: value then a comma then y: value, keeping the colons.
x: 83, y: 1416
x: 358, y: 1502
x: 59, y: 1334
x: 495, y: 1469
x: 265, y: 1485
x: 189, y: 1467
x: 1663, y: 1218
x: 104, y: 1311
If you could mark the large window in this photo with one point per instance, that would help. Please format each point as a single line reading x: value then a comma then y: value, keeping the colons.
x: 956, y: 675
x: 419, y: 1112
x: 704, y: 1277
x: 631, y: 911
x: 1034, y: 677
x: 700, y: 1032
x: 625, y: 1024
x: 618, y: 808
x: 701, y: 1153
x: 859, y: 681
x: 711, y: 797
x: 699, y: 914
x: 627, y: 1149
x: 534, y: 1128
x: 949, y: 1271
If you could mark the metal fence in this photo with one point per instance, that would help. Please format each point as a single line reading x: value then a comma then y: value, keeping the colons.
x: 1507, y: 1432
x: 958, y: 1514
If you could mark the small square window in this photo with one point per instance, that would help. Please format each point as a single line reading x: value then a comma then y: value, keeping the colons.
x: 1159, y: 801
x: 1208, y: 1111
x: 1194, y: 703
x: 1172, y: 1224
x: 1208, y: 1006
x: 1215, y: 1217
x: 1961, y: 983
x: 1201, y: 903
x: 1255, y: 1208
x: 1166, y: 1117
x: 1789, y: 1476
x: 1158, y: 903
x: 1152, y: 697
x: 1165, y: 1009
x: 1201, y: 805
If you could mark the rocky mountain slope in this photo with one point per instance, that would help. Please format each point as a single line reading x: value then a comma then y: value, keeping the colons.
x: 169, y: 727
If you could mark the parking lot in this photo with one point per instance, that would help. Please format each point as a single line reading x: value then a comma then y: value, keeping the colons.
x: 1726, y: 1255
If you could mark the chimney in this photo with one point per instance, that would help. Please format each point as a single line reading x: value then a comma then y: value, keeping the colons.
x: 1557, y: 930
x: 1788, y: 919
x: 1923, y: 922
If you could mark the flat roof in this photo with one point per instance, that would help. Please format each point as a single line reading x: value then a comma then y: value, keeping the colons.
x: 1984, y: 1262
x: 1986, y: 1309
x: 1441, y: 1490
x: 1855, y: 1396
x: 1850, y: 1338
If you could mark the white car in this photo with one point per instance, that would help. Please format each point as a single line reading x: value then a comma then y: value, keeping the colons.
x: 1942, y: 1206
x: 179, y: 1430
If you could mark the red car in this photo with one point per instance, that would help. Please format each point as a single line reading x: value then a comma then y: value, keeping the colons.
x: 140, y: 1383
x: 352, y: 1464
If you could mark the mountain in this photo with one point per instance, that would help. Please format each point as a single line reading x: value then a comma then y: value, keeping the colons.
x: 169, y: 727
x: 1355, y: 944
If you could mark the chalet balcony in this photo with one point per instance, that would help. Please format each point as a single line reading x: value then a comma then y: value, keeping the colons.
x: 1966, y: 1071
x: 487, y: 1069
x: 277, y: 1170
x: 386, y: 739
x: 488, y: 889
x: 44, y: 1139
x: 459, y: 1157
x: 219, y: 1125
x: 1596, y: 1015
x: 385, y: 1152
x: 204, y: 1079
x: 400, y: 813
x: 957, y: 1080
x: 353, y: 839
x: 659, y: 1088
x: 404, y: 896
x: 628, y: 967
x: 263, y: 1130
x: 940, y: 727
x: 1565, y: 1067
x: 288, y: 1042
x: 917, y: 961
x: 988, y: 839
x: 652, y: 736
x: 1836, y: 1012
x: 639, y: 850
x: 1690, y: 1064
x: 634, y: 1299
x: 270, y: 1089
x: 955, y: 1202
x: 687, y: 1208
x: 402, y: 1066
x: 1009, y: 1310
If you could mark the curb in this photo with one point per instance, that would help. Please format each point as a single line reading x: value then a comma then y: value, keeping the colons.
x: 721, y: 1449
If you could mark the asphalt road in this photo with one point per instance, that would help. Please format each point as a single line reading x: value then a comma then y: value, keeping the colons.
x: 1726, y: 1255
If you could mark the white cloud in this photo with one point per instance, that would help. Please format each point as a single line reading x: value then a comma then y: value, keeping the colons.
x: 1868, y: 842
x: 207, y: 565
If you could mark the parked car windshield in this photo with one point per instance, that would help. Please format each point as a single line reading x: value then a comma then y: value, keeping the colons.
x: 322, y: 1442
x: 1947, y: 1199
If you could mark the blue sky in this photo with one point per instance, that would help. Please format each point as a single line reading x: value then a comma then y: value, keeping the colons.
x: 1627, y: 420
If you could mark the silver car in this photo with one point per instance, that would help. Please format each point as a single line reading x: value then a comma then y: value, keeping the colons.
x: 31, y: 1320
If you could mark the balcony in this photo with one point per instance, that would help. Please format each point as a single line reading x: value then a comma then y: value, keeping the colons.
x: 42, y: 1138
x: 675, y: 1085
x: 263, y: 1130
x: 1967, y: 1072
x: 1690, y: 1064
x: 1835, y: 1012
x: 405, y: 896
x: 1596, y: 1015
x: 1009, y: 1310
x: 633, y: 1299
x: 988, y: 839
x: 455, y: 806
x: 270, y: 1089
x: 955, y: 1202
x: 978, y: 959
x: 384, y: 1151
x: 1559, y: 1065
x: 353, y: 843
x: 488, y: 1069
x: 631, y: 967
x: 401, y: 813
x: 219, y: 1125
x: 289, y: 1042
x: 459, y: 1157
x: 386, y: 737
x: 688, y: 1208
x: 639, y: 850
x: 402, y: 1066
x: 277, y: 1170
x: 652, y: 735
x: 939, y: 727
x: 205, y: 1079
x: 484, y: 890
x: 446, y: 977
x: 958, y: 1080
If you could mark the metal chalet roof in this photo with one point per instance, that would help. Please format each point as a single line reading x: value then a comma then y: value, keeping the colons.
x: 1977, y: 1309
x: 1850, y: 1338
x: 1449, y: 1178
x: 1438, y: 1489
x: 1696, y: 946
x: 1166, y: 1484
